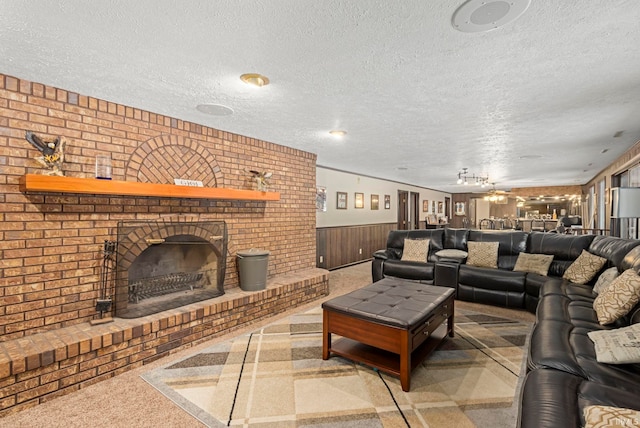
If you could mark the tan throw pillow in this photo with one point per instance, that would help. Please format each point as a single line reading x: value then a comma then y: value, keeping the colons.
x: 618, y: 299
x: 584, y: 268
x: 415, y: 250
x: 535, y: 263
x: 607, y: 416
x: 605, y: 279
x: 619, y: 346
x: 483, y: 254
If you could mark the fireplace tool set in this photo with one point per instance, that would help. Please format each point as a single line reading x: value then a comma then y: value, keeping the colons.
x: 103, y: 304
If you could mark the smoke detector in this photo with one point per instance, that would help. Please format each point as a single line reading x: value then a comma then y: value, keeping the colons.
x: 476, y: 16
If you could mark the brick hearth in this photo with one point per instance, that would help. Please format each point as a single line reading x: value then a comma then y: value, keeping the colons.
x: 46, y: 365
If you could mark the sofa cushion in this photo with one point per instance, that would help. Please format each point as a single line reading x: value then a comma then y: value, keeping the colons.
x: 618, y: 299
x: 584, y: 268
x: 619, y: 346
x: 631, y: 260
x: 456, y: 238
x: 566, y: 288
x: 598, y: 416
x: 483, y: 254
x: 605, y: 279
x: 612, y: 248
x: 535, y: 263
x: 564, y: 248
x: 511, y: 243
x: 491, y: 286
x: 415, y: 250
x: 419, y: 271
x: 395, y: 241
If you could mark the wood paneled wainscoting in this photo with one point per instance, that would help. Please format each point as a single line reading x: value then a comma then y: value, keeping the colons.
x: 340, y: 246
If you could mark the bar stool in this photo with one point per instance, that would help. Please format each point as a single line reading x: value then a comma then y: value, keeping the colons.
x: 537, y: 225
x: 485, y: 223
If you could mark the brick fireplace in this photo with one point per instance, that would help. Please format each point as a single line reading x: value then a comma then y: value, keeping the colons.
x: 51, y: 242
x: 167, y: 263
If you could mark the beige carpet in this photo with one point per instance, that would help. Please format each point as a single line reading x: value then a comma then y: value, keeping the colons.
x: 128, y: 401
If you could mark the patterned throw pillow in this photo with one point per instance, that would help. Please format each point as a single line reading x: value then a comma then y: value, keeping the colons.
x: 618, y: 346
x: 483, y: 254
x: 535, y: 263
x: 607, y: 416
x: 605, y: 279
x: 584, y: 268
x: 618, y: 299
x: 415, y: 250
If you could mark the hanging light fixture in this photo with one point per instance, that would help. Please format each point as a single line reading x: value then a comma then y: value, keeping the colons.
x: 464, y: 177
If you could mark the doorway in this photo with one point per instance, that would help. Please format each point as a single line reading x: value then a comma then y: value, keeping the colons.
x: 447, y: 208
x: 403, y: 210
x: 415, y: 210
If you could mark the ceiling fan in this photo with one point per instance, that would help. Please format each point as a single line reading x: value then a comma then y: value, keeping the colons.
x: 497, y: 196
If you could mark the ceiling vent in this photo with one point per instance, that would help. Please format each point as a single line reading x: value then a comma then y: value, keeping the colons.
x: 476, y: 16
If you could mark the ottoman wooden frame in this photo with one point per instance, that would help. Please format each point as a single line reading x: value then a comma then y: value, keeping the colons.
x: 391, y: 325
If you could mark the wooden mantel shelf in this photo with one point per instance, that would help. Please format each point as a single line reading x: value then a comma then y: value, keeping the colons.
x: 45, y: 183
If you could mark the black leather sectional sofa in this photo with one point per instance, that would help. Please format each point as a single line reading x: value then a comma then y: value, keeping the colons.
x: 563, y: 375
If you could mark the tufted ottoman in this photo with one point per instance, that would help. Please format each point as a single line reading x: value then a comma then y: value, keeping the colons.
x: 390, y: 325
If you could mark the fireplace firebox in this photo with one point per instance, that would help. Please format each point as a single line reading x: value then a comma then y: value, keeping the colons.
x: 165, y: 264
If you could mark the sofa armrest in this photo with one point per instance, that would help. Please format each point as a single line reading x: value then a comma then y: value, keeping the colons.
x: 383, y: 255
x: 446, y: 274
x: 549, y: 398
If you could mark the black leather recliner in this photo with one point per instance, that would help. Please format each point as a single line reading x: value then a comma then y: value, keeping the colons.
x: 500, y: 286
x: 388, y: 262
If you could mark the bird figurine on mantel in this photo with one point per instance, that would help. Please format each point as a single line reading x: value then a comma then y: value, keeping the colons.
x: 52, y: 153
x: 261, y: 179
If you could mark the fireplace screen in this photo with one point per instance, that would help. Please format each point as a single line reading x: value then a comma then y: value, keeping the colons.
x: 167, y: 264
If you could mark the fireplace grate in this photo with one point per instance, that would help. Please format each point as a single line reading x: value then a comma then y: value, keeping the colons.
x: 164, y: 284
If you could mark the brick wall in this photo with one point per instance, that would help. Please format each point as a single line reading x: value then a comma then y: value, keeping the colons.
x: 50, y: 243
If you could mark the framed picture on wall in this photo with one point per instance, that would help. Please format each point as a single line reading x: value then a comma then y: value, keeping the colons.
x: 440, y: 207
x: 359, y: 200
x: 433, y: 207
x: 459, y: 208
x: 341, y: 200
x: 387, y: 202
x: 425, y: 206
x: 375, y: 202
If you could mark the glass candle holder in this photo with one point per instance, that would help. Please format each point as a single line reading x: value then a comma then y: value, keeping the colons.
x: 103, y: 167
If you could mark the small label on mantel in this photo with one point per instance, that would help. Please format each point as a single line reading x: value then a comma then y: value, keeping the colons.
x: 190, y: 183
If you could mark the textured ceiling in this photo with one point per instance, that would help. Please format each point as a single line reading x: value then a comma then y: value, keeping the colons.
x: 534, y: 102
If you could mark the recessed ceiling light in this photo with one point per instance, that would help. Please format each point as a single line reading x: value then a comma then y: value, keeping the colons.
x: 214, y: 109
x: 618, y: 134
x: 484, y: 15
x: 255, y: 79
x: 530, y: 157
x: 604, y: 150
x: 338, y: 133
